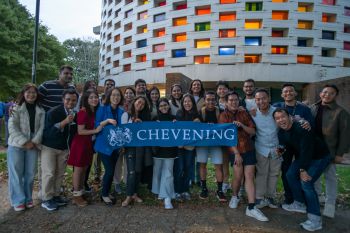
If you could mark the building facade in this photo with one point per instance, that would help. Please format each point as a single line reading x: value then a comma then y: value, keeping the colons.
x: 301, y: 41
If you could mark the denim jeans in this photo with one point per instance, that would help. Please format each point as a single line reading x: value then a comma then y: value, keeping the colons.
x: 108, y: 162
x: 305, y: 192
x: 183, y: 165
x: 22, y: 164
x: 288, y: 194
x: 163, y: 177
x: 133, y: 177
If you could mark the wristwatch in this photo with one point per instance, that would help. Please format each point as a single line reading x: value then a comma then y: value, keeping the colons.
x: 301, y: 170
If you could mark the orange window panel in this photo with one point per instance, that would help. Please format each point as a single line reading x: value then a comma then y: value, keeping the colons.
x: 180, y: 21
x: 252, y: 58
x: 227, y: 33
x: 252, y: 24
x: 227, y: 1
x: 279, y: 0
x: 200, y: 44
x: 227, y: 17
x: 204, y: 11
x: 279, y: 15
x: 201, y: 59
x: 160, y: 32
x: 277, y: 33
x: 159, y: 63
x: 279, y: 49
x: 142, y: 58
x: 180, y: 37
x: 304, y: 24
x: 304, y: 59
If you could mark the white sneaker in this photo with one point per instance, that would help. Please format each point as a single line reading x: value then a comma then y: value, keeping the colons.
x: 186, y: 196
x: 261, y: 203
x: 234, y: 202
x: 329, y: 210
x: 295, y: 207
x: 167, y: 204
x: 257, y: 214
x: 311, y: 225
x: 226, y: 187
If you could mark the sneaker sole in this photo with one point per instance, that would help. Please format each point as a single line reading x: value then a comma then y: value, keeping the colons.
x: 47, y: 208
x: 259, y: 219
x: 296, y: 211
x: 315, y: 229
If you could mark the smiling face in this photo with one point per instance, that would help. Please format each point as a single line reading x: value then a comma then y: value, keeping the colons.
x: 232, y: 103
x: 262, y: 100
x: 283, y: 120
x: 187, y: 103
x: 288, y: 93
x: 196, y: 87
x: 129, y: 95
x: 164, y: 107
x: 139, y: 104
x: 140, y: 88
x: 248, y: 88
x: 154, y: 96
x: 210, y: 101
x: 176, y: 92
x: 115, y: 97
x: 221, y: 91
x: 93, y: 100
x: 328, y: 95
x: 30, y: 95
x: 66, y: 76
x: 70, y: 100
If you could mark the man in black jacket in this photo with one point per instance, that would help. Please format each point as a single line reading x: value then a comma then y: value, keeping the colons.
x: 56, y: 140
x: 311, y: 157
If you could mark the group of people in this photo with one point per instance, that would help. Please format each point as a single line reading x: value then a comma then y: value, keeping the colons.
x: 57, y: 126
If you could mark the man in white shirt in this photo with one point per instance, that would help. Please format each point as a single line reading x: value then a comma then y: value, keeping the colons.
x: 268, y: 162
x: 248, y: 101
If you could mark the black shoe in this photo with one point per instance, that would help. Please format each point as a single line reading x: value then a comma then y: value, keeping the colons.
x: 221, y: 196
x: 60, y: 201
x: 204, y: 193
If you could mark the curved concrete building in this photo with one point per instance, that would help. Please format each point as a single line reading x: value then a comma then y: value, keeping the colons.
x: 275, y: 41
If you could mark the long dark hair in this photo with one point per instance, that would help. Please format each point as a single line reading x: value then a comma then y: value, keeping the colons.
x: 145, y: 114
x: 85, y: 101
x: 173, y: 100
x: 26, y: 87
x: 87, y: 85
x: 201, y: 93
x: 154, y: 88
x: 109, y: 93
x: 193, y: 112
x: 163, y: 99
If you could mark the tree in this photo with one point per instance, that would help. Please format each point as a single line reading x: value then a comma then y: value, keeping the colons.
x: 16, y: 42
x: 82, y: 55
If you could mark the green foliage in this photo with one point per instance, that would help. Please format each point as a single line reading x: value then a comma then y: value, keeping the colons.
x: 82, y: 55
x: 16, y: 43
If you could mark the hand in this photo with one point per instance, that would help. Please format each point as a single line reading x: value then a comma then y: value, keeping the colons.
x: 238, y: 124
x: 69, y: 119
x: 137, y: 120
x: 238, y: 160
x: 305, y: 177
x: 305, y: 125
x: 338, y: 159
x: 29, y: 145
x: 98, y: 129
x: 111, y: 121
x: 174, y: 120
x: 253, y: 112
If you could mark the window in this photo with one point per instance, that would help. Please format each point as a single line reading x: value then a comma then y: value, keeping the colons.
x: 141, y: 43
x: 305, y: 42
x: 108, y: 60
x: 143, y: 2
x: 346, y: 45
x: 142, y: 29
x: 328, y: 2
x: 279, y: 49
x: 202, y: 43
x: 158, y: 48
x: 128, y: 2
x: 346, y: 62
x: 127, y: 54
x: 179, y: 37
x: 142, y: 15
x: 227, y: 33
x: 253, y: 41
x: 127, y: 27
x: 203, y: 10
x: 128, y: 13
x: 180, y: 5
x: 180, y: 21
x: 116, y: 63
x: 347, y: 28
x: 127, y: 40
x: 202, y: 26
x: 279, y: 1
x: 141, y: 58
x: 347, y: 11
x: 279, y: 15
x: 158, y: 3
x: 253, y: 6
x: 109, y: 48
x: 227, y: 50
x: 158, y: 63
x: 159, y: 17
x: 159, y: 32
x: 117, y: 25
x: 227, y: 1
x: 117, y: 38
x: 279, y: 32
x: 304, y: 59
x: 253, y: 24
x: 116, y: 50
x: 305, y: 24
x: 202, y: 59
x: 328, y: 35
x: 109, y: 36
x: 329, y: 18
x: 305, y: 7
x: 328, y: 52
x: 127, y: 67
x: 178, y: 53
x: 108, y: 72
x: 252, y: 58
x: 227, y: 16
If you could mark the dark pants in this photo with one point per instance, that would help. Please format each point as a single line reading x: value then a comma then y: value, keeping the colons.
x: 182, y: 168
x: 133, y: 178
x: 288, y: 195
x: 108, y: 162
x: 305, y: 192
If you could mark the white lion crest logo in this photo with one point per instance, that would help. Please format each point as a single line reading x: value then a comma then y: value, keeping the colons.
x: 119, y: 136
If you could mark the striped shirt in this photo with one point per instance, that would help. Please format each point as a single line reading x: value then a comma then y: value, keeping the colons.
x: 51, y: 93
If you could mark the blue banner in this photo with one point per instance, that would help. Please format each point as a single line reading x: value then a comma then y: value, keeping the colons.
x: 166, y: 134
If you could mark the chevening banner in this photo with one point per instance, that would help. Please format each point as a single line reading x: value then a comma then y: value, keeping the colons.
x: 165, y: 134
